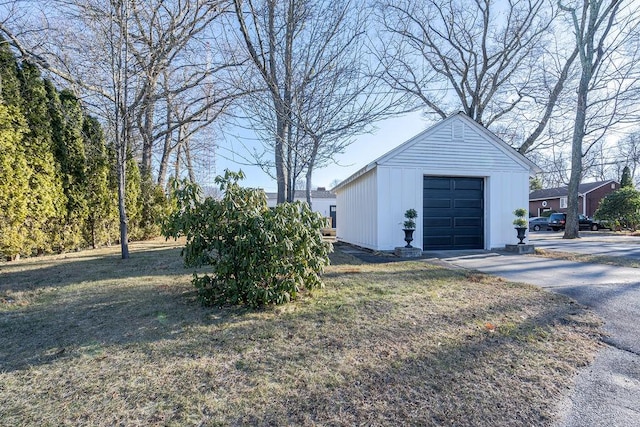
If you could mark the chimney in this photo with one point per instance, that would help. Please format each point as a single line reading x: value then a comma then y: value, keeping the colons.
x: 322, y: 189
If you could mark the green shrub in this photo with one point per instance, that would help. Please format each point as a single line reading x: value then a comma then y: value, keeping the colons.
x: 621, y: 208
x: 520, y: 220
x: 410, y: 223
x: 259, y: 256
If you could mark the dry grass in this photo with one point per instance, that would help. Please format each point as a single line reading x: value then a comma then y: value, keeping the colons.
x: 594, y: 259
x: 89, y: 339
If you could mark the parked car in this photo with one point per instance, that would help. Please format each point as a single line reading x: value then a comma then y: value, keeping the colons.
x: 539, y: 223
x: 557, y: 222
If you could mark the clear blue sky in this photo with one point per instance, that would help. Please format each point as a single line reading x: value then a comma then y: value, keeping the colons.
x: 388, y: 134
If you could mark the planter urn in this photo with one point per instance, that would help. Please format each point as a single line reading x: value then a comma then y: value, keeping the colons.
x: 521, y: 234
x: 408, y: 236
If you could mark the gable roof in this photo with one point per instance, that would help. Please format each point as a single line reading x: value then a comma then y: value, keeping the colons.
x: 301, y: 194
x: 557, y: 192
x: 488, y: 135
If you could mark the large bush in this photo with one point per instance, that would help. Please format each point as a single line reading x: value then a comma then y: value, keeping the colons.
x: 259, y: 255
x: 621, y: 208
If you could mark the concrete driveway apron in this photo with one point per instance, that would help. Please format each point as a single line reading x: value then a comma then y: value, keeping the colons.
x: 607, y: 393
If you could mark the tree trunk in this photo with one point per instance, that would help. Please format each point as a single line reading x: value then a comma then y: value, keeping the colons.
x: 584, y: 42
x: 177, y: 164
x: 572, y: 227
x: 166, y: 152
x: 311, y: 165
x: 308, y: 185
x: 122, y: 125
x: 281, y: 169
x: 187, y: 154
x: 146, y: 130
x: 122, y: 210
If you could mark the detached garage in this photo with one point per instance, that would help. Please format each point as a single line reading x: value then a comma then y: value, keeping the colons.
x: 463, y: 180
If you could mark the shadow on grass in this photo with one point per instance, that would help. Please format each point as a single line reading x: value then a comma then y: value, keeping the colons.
x: 485, y: 379
x: 407, y: 370
x: 131, y: 311
x: 371, y: 350
x: 60, y: 271
x: 99, y: 317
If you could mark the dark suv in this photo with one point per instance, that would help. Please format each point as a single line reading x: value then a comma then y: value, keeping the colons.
x: 557, y: 222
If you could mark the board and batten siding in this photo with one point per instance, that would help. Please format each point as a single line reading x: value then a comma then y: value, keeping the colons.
x: 456, y: 147
x: 399, y: 189
x: 452, y: 150
x: 357, y: 212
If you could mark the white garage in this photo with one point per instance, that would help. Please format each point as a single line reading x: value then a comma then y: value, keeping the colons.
x: 463, y: 181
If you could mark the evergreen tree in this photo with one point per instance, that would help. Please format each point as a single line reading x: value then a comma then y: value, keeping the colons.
x: 46, y: 199
x: 621, y: 208
x: 73, y: 164
x: 535, y: 183
x: 626, y: 180
x: 155, y: 206
x: 14, y: 181
x: 102, y: 220
x: 9, y: 82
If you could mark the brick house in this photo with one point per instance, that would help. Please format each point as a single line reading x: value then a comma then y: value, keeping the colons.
x: 555, y: 199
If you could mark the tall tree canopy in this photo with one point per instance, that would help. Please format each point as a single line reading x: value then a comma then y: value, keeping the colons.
x: 482, y: 57
x: 311, y: 82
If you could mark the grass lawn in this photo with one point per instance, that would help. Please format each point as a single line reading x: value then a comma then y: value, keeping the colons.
x: 90, y: 339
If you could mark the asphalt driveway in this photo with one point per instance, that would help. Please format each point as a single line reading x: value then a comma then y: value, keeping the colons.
x: 607, y: 393
x: 590, y: 242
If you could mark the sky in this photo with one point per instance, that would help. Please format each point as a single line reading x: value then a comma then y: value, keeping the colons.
x: 387, y: 135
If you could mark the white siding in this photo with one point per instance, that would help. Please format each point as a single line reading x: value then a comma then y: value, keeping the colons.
x: 401, y: 188
x: 398, y: 190
x: 320, y: 205
x: 504, y: 193
x: 357, y: 212
x: 371, y: 206
x: 440, y: 149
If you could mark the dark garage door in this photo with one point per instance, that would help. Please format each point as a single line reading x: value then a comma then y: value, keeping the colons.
x: 453, y: 213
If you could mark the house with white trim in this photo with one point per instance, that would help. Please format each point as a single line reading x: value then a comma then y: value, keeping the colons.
x: 322, y: 201
x: 555, y: 199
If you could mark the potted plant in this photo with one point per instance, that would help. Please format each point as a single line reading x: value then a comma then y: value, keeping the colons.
x: 521, y: 223
x: 409, y: 226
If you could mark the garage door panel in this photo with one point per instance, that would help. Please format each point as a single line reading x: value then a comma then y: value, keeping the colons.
x: 436, y: 184
x: 470, y: 203
x: 467, y: 184
x: 473, y: 222
x: 440, y: 203
x: 445, y: 222
x: 439, y: 241
x: 467, y: 241
x: 453, y: 213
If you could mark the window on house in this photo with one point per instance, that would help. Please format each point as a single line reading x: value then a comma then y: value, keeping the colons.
x: 563, y: 202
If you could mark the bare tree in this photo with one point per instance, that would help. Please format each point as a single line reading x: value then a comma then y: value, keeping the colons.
x: 174, y: 51
x: 145, y: 67
x: 488, y: 59
x: 316, y: 90
x: 629, y: 154
x: 171, y: 47
x: 335, y: 102
x: 606, y: 36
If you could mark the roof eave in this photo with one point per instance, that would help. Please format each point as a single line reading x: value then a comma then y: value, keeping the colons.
x: 355, y: 176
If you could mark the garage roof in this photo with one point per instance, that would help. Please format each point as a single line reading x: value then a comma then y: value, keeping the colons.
x: 490, y: 136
